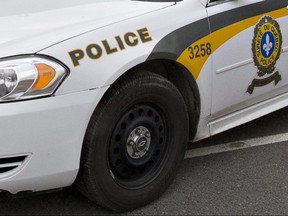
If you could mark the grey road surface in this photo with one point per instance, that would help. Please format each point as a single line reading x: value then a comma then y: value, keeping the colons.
x: 251, y: 181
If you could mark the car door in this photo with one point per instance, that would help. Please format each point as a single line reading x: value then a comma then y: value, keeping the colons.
x: 249, y: 41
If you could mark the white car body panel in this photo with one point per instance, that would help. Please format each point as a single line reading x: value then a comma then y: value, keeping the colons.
x: 82, y: 78
x: 230, y: 73
x: 47, y: 165
x: 28, y: 29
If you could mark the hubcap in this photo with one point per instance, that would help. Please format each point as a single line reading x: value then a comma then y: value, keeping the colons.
x: 138, y: 142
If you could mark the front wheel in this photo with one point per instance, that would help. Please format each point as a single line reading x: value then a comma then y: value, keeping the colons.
x: 134, y: 143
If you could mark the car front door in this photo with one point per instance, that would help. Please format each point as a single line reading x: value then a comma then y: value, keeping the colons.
x: 249, y: 42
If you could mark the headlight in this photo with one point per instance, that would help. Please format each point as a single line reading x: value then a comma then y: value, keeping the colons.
x: 29, y: 77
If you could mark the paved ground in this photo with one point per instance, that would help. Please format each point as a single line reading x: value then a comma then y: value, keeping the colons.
x: 245, y: 178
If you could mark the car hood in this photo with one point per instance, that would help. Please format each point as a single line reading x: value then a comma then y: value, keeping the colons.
x: 32, y: 25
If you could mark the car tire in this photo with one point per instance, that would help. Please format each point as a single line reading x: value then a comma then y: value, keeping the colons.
x: 135, y: 142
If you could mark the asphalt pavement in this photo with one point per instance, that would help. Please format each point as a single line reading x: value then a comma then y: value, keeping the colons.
x: 248, y: 181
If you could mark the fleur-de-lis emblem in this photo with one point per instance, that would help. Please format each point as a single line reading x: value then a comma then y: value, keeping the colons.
x: 268, y: 45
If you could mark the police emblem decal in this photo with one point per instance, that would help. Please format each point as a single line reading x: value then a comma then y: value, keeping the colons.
x: 266, y: 49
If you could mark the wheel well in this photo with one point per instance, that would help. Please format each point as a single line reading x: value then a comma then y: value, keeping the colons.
x: 184, y: 82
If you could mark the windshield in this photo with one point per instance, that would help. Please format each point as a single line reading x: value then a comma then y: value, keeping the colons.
x: 159, y: 0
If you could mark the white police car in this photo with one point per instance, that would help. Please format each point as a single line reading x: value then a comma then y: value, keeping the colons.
x: 106, y: 94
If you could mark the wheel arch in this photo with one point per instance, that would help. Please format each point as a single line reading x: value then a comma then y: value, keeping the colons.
x: 181, y: 78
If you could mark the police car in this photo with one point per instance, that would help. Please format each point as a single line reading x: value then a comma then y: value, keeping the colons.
x: 106, y: 94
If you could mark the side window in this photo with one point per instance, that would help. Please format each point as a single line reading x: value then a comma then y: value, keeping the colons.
x: 218, y: 1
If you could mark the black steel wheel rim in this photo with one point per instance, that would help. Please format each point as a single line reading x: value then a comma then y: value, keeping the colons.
x: 136, y: 166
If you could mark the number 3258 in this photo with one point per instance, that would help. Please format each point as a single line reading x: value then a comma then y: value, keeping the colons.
x: 198, y: 51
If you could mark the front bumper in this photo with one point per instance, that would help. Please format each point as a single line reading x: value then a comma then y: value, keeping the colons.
x: 49, y: 132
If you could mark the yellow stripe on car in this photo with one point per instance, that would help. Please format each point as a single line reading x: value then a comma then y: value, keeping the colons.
x: 216, y: 39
